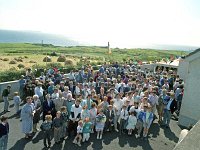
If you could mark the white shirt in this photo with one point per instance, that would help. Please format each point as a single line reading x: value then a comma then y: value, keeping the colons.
x: 118, y: 105
x: 71, y: 76
x: 55, y: 95
x: 39, y: 91
x: 76, y: 111
x: 132, y: 109
x: 77, y: 90
x: 124, y: 114
x: 79, y: 129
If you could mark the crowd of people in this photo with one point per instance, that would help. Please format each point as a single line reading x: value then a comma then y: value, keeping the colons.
x: 116, y: 98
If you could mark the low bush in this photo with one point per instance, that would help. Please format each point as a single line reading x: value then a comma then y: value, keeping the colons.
x: 5, y: 59
x: 18, y: 59
x: 68, y: 62
x: 11, y: 75
x: 31, y: 61
x: 13, y: 62
x: 47, y: 59
x: 20, y: 66
x: 61, y: 58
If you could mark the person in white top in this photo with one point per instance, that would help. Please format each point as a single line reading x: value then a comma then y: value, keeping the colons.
x: 55, y: 94
x: 132, y: 121
x: 75, y: 117
x: 59, y: 101
x: 78, y: 137
x: 131, y: 98
x: 66, y: 92
x: 123, y: 118
x: 77, y: 89
x: 39, y: 91
x: 17, y: 101
x: 43, y: 77
x: 117, y: 106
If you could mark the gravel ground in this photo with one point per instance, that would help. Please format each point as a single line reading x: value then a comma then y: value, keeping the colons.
x: 159, y: 138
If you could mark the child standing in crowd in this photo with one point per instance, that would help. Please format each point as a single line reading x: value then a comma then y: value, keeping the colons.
x: 4, y: 130
x: 123, y: 118
x: 100, y: 122
x: 110, y: 114
x: 17, y: 101
x: 46, y: 127
x: 85, y: 112
x: 65, y: 119
x: 93, y: 114
x: 132, y: 120
x: 147, y: 120
x: 78, y: 137
x: 57, y: 124
x: 139, y: 125
x: 86, y: 129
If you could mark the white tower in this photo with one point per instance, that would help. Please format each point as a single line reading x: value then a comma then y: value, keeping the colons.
x: 109, y: 49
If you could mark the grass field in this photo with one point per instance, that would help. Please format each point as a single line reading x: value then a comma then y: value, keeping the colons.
x: 36, y: 52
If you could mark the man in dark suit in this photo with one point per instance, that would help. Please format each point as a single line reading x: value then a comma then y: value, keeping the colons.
x: 72, y: 87
x: 171, y: 107
x: 48, y: 107
x: 110, y: 114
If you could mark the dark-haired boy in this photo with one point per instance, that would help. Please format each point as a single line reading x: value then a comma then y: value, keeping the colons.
x: 4, y: 130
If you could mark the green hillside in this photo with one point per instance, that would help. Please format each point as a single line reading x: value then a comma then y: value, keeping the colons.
x: 16, y: 49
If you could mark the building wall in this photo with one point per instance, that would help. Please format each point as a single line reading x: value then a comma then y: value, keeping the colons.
x: 183, y: 69
x: 191, y: 141
x: 14, y: 87
x: 190, y: 109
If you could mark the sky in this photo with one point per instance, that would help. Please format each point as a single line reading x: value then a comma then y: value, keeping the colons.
x: 124, y: 23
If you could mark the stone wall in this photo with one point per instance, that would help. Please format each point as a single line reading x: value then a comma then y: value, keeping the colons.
x: 191, y: 141
x: 14, y: 87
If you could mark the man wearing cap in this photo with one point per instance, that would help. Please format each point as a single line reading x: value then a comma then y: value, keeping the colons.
x: 5, y: 94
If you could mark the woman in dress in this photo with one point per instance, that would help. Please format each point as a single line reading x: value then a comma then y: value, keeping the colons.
x: 132, y: 120
x: 37, y: 108
x: 160, y: 105
x: 147, y: 121
x: 100, y: 122
x: 27, y: 117
x: 93, y: 114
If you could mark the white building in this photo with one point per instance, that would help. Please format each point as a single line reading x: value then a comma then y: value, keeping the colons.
x: 189, y: 70
x: 170, y: 65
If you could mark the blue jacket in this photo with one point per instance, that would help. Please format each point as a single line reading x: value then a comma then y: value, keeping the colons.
x: 150, y: 119
x: 140, y: 116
